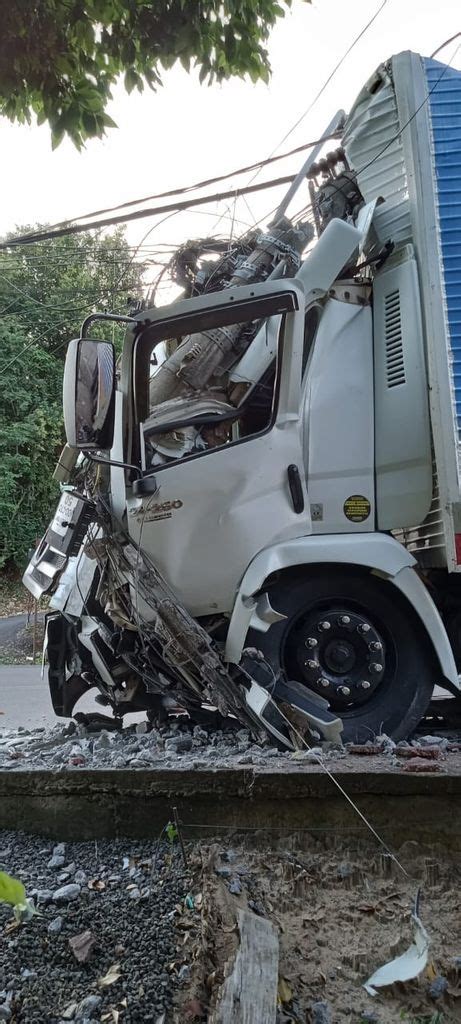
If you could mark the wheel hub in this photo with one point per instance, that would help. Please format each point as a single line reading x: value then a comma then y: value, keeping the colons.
x: 340, y: 655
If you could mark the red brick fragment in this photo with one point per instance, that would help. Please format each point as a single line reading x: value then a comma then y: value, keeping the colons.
x: 363, y: 749
x: 429, y: 753
x: 420, y: 764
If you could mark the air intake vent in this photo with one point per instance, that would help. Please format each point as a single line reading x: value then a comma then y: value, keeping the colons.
x: 395, y: 369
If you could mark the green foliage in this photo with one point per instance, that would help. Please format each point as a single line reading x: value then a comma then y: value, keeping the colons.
x: 12, y: 890
x: 45, y: 293
x: 171, y: 832
x: 60, y: 58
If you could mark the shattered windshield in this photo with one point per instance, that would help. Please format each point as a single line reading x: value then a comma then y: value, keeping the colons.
x: 203, y: 391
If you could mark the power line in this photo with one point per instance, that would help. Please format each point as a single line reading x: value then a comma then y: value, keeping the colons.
x: 192, y: 188
x: 186, y: 204
x: 443, y: 45
x: 324, y: 86
x: 91, y: 305
x: 88, y: 306
x: 189, y: 188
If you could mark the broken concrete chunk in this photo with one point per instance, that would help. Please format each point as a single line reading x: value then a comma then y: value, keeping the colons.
x: 69, y: 1012
x: 386, y: 743
x: 82, y: 946
x: 432, y: 741
x: 87, y: 1007
x: 179, y: 744
x: 56, y: 862
x: 438, y: 987
x: 55, y: 926
x: 321, y: 1013
x: 67, y: 893
x: 345, y: 870
x: 44, y: 896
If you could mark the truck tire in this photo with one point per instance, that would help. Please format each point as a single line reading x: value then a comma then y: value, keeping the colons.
x: 353, y: 639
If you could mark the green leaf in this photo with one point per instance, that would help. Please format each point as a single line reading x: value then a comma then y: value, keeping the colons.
x: 203, y: 73
x: 107, y: 121
x: 171, y: 832
x: 11, y: 890
x: 57, y: 135
x: 131, y: 79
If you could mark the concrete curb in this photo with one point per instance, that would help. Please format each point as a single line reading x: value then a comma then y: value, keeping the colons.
x: 84, y: 804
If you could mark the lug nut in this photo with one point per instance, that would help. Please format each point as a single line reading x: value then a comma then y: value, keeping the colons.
x: 311, y: 664
x: 363, y: 628
x: 376, y: 666
x: 375, y: 646
x: 311, y: 642
x: 365, y: 684
x: 344, y: 690
x: 324, y: 682
x: 324, y: 625
x: 344, y: 620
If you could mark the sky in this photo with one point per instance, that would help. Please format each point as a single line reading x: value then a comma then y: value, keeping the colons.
x: 186, y: 131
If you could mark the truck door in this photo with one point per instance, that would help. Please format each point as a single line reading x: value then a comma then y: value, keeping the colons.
x: 227, y: 464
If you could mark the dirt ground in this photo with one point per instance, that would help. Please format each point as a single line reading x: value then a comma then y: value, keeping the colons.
x: 14, y: 598
x: 17, y: 622
x: 341, y: 912
x: 19, y: 637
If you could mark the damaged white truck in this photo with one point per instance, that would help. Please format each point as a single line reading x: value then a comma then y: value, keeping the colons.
x: 261, y: 507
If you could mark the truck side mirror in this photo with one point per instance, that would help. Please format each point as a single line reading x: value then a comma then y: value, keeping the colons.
x: 89, y: 394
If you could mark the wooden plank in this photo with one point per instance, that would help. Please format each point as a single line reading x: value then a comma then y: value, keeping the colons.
x: 249, y: 993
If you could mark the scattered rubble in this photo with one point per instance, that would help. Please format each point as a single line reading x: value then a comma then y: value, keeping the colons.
x: 176, y: 743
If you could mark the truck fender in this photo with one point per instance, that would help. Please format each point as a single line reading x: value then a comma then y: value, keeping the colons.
x: 375, y: 551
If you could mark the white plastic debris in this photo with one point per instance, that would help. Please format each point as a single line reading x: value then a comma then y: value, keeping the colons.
x: 405, y: 967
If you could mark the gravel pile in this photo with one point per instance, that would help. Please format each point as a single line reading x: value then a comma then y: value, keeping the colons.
x: 139, y: 747
x: 127, y: 897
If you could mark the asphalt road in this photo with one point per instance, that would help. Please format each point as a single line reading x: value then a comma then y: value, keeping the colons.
x: 9, y: 626
x: 25, y: 699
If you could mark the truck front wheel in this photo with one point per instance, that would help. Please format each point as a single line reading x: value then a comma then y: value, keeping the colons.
x: 353, y: 639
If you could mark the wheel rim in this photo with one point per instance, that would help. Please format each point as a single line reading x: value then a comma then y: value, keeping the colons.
x: 339, y: 653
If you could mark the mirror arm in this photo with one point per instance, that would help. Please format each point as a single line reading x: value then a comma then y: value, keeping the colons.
x: 112, y: 462
x: 105, y: 316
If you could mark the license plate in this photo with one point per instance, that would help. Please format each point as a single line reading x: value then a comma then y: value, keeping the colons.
x: 63, y: 515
